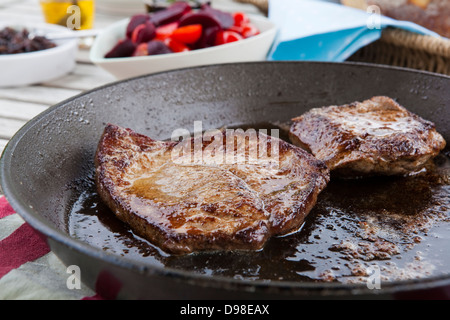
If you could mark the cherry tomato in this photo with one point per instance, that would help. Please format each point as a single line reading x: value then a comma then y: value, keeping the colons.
x: 249, y: 30
x: 240, y: 18
x: 227, y: 36
x: 188, y: 34
x: 237, y: 29
x: 176, y: 46
x: 166, y: 30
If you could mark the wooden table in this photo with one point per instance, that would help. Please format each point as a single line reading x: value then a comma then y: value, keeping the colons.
x: 20, y: 104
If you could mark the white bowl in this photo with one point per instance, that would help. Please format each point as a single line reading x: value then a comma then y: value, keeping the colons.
x: 255, y: 48
x: 40, y: 66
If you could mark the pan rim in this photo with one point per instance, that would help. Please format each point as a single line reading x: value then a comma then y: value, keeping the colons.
x: 325, y: 289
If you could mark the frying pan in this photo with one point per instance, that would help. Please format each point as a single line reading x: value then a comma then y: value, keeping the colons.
x: 47, y: 170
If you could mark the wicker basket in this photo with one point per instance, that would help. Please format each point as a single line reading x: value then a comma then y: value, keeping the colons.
x: 406, y: 49
x: 398, y: 48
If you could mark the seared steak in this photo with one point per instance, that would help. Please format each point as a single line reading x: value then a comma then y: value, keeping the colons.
x: 373, y: 137
x: 184, y: 205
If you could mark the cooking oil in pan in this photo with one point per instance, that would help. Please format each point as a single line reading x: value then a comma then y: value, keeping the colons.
x: 400, y: 225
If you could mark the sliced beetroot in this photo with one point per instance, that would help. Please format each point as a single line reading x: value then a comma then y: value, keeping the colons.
x: 124, y: 48
x: 157, y: 47
x: 171, y: 14
x: 208, y: 38
x: 205, y: 19
x: 135, y: 21
x: 152, y: 32
x: 143, y: 33
x: 226, y: 19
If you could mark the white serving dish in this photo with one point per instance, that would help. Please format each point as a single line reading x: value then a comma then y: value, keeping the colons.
x: 40, y: 66
x: 252, y: 49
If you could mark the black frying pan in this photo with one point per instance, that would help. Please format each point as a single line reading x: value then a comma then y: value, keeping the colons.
x: 47, y: 170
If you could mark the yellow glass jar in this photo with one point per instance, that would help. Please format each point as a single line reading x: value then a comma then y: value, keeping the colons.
x: 73, y: 14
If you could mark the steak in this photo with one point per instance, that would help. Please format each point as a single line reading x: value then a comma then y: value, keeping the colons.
x: 185, y: 199
x: 374, y: 137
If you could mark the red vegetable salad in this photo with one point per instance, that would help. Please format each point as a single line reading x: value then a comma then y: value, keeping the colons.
x: 180, y: 28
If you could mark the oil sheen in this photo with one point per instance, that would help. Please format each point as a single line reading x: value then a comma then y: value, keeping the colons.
x: 399, y: 224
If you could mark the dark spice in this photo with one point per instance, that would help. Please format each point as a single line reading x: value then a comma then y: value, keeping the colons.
x: 14, y: 41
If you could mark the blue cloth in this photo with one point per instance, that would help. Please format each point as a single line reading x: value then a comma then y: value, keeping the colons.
x: 323, y: 31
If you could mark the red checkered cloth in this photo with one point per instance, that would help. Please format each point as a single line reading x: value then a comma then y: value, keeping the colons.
x: 28, y: 269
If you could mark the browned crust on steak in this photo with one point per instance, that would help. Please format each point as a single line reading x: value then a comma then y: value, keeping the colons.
x: 374, y: 137
x: 289, y: 203
x: 188, y: 208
